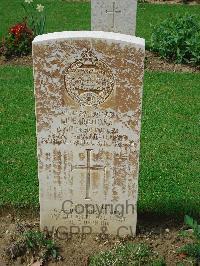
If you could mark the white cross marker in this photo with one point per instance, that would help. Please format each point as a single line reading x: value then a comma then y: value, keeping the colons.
x: 113, y: 12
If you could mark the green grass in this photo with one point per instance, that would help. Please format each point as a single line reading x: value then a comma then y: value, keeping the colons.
x: 169, y: 178
x: 18, y: 169
x: 149, y: 15
x: 127, y: 255
x: 170, y: 155
x: 170, y: 151
x: 76, y: 16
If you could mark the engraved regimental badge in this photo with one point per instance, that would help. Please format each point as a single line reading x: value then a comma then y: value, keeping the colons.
x: 89, y: 81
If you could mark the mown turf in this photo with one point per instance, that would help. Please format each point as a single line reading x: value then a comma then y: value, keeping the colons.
x: 170, y: 155
x: 62, y: 15
x: 170, y: 152
x: 18, y: 173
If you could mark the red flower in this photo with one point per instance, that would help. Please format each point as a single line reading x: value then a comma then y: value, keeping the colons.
x: 17, y: 29
x: 20, y: 28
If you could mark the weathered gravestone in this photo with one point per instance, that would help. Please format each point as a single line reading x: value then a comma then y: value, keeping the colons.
x: 88, y: 89
x: 114, y: 15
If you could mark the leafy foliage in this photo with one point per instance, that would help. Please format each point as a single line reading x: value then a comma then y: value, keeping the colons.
x: 36, y: 17
x: 18, y: 41
x: 192, y: 249
x: 178, y: 38
x: 193, y: 224
x: 34, y: 243
x: 37, y: 242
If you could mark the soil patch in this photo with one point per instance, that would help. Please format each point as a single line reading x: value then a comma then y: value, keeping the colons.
x: 163, y: 236
x: 152, y: 63
x: 17, y: 61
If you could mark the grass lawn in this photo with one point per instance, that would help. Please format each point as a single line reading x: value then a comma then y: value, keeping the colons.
x: 169, y: 178
x: 62, y: 15
x: 18, y: 169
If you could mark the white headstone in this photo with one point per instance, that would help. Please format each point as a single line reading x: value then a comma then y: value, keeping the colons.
x: 88, y: 88
x: 114, y: 16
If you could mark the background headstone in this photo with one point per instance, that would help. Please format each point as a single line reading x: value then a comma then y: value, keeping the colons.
x: 88, y: 89
x: 114, y: 16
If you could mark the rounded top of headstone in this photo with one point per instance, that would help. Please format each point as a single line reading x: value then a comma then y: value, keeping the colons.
x: 66, y: 35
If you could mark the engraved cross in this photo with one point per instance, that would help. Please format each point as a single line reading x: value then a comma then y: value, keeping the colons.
x: 88, y: 168
x: 113, y: 12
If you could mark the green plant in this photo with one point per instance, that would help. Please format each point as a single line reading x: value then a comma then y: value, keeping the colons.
x: 37, y: 242
x: 183, y: 234
x: 193, y: 224
x: 128, y: 254
x: 158, y: 262
x: 192, y: 249
x: 35, y: 16
x: 18, y: 41
x: 178, y: 38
